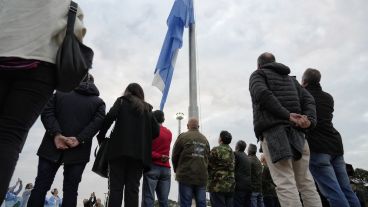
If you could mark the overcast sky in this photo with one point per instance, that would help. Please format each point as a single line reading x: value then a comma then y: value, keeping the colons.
x: 127, y: 37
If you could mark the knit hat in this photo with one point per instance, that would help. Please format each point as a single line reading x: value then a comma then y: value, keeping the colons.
x: 252, y: 149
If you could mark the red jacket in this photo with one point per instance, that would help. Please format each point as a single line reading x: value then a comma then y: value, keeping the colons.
x: 161, y: 146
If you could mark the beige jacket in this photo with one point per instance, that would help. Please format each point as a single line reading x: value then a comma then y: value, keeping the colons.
x: 34, y: 29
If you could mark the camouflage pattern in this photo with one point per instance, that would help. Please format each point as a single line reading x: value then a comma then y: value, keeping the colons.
x: 221, y: 167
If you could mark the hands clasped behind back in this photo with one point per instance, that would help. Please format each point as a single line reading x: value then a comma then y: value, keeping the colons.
x: 62, y: 142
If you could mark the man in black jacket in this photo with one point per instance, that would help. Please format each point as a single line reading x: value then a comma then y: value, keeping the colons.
x: 327, y: 163
x: 243, y: 189
x: 282, y: 109
x: 71, y: 121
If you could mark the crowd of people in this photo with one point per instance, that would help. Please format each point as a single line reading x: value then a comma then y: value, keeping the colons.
x: 292, y: 121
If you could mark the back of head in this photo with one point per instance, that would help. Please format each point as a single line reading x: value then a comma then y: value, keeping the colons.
x: 240, y: 146
x: 252, y: 149
x: 54, y: 191
x: 193, y: 123
x: 135, y: 94
x: 311, y: 77
x: 29, y: 186
x: 134, y: 89
x: 225, y: 137
x: 265, y: 58
x: 159, y: 116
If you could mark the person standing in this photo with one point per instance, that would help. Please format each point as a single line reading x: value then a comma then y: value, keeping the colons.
x: 26, y: 194
x: 29, y: 40
x: 256, y: 177
x: 158, y: 178
x: 54, y: 200
x: 282, y: 110
x: 130, y: 144
x: 221, y: 167
x: 190, y: 163
x: 268, y: 187
x: 243, y: 189
x: 71, y: 121
x: 11, y: 197
x: 327, y: 163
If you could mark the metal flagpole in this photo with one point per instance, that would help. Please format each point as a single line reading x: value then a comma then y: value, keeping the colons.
x: 193, y: 99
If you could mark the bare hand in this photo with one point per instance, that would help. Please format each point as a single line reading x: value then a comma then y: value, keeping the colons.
x: 301, y: 121
x: 164, y: 158
x: 294, y: 117
x: 72, y: 142
x: 304, y: 122
x: 60, y: 142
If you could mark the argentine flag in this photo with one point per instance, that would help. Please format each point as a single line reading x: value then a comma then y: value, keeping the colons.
x: 181, y: 16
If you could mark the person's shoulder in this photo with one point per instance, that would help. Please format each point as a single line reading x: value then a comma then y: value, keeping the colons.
x: 257, y: 73
x: 327, y: 95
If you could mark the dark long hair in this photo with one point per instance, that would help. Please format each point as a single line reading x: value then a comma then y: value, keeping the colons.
x: 135, y: 94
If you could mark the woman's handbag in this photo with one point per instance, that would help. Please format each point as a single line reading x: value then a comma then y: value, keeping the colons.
x: 101, y: 165
x: 73, y: 59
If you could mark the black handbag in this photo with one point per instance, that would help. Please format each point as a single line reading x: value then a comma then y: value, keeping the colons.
x: 73, y: 59
x: 101, y: 165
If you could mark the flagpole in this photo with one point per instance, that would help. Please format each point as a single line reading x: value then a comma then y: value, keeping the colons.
x: 193, y: 99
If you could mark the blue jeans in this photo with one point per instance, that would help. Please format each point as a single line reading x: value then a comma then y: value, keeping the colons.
x: 157, y: 179
x: 256, y: 199
x: 333, y: 180
x: 187, y: 192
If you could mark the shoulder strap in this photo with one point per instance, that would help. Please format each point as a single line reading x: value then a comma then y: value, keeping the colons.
x: 71, y: 17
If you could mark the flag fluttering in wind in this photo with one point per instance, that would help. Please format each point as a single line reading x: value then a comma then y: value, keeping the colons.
x: 181, y: 15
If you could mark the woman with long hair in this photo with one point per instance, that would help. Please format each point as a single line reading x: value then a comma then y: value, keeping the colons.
x: 129, y: 149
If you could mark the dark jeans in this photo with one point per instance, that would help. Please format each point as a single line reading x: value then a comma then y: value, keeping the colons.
x: 256, y: 199
x: 242, y: 198
x: 187, y: 192
x: 333, y: 181
x: 157, y: 179
x: 271, y: 201
x: 125, y: 173
x: 23, y: 95
x: 222, y: 199
x: 45, y: 177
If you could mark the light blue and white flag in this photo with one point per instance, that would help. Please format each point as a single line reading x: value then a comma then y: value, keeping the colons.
x: 181, y: 16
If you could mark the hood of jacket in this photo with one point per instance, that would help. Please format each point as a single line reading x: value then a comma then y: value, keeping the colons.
x: 277, y: 67
x: 88, y: 89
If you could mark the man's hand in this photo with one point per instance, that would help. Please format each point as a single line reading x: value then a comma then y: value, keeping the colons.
x: 164, y: 158
x: 60, y: 142
x: 72, y: 142
x: 294, y: 117
x: 304, y: 122
x: 301, y: 121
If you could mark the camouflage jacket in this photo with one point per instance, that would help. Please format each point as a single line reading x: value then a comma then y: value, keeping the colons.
x: 221, y: 167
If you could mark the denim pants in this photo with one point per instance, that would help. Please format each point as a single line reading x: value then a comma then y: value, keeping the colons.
x: 222, y: 199
x: 187, y: 192
x: 256, y: 200
x: 45, y: 177
x: 333, y: 180
x: 242, y: 198
x: 23, y: 95
x: 157, y: 179
x: 292, y: 177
